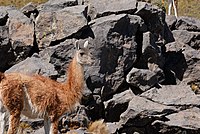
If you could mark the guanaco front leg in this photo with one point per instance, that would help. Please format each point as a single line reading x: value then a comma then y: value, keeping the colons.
x: 14, y: 121
x: 54, y: 127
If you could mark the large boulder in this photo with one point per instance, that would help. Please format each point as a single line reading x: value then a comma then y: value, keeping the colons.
x: 54, y: 26
x: 100, y: 8
x: 173, y: 95
x: 34, y: 65
x: 186, y: 121
x: 57, y: 4
x: 114, y: 47
x: 142, y: 78
x: 20, y: 32
x: 117, y: 105
x: 188, y: 23
x: 140, y: 114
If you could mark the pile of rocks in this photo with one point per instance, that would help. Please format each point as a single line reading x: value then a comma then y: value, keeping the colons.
x: 146, y: 67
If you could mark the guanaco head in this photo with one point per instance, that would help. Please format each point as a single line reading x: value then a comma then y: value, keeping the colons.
x: 83, y: 55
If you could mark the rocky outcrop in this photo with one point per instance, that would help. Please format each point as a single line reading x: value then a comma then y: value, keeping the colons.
x: 145, y: 78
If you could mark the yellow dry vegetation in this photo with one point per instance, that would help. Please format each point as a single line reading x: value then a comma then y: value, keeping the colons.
x: 185, y: 7
x: 19, y: 3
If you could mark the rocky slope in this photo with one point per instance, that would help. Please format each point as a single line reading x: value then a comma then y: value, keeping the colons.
x: 145, y: 78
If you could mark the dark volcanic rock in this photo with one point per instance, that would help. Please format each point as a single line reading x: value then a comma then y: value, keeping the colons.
x: 114, y: 48
x: 117, y: 105
x: 7, y: 56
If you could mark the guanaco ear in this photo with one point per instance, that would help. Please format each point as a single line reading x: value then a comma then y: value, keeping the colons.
x: 86, y: 44
x: 76, y: 45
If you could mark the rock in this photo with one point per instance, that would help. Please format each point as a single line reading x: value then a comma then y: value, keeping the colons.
x: 184, y: 66
x: 57, y: 4
x: 34, y: 65
x: 21, y: 29
x: 188, y: 119
x: 100, y: 8
x: 30, y: 10
x: 185, y: 121
x: 140, y: 113
x: 188, y: 23
x: 155, y: 24
x: 78, y: 131
x: 173, y: 95
x: 5, y: 49
x: 21, y: 33
x: 3, y: 17
x: 137, y: 23
x: 186, y: 37
x: 59, y: 56
x: 192, y: 57
x: 114, y: 48
x: 155, y: 21
x: 117, y: 105
x: 171, y: 21
x: 174, y: 69
x: 39, y: 131
x: 113, y: 127
x: 142, y: 78
x: 150, y: 52
x: 75, y: 120
x: 54, y: 26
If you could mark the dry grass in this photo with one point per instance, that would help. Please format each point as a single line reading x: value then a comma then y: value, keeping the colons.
x: 19, y: 3
x: 185, y: 7
x: 189, y: 8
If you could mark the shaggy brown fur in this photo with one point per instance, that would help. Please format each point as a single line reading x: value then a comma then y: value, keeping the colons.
x: 98, y: 127
x: 38, y: 96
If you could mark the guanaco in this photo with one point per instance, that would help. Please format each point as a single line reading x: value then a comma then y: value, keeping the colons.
x: 41, y: 97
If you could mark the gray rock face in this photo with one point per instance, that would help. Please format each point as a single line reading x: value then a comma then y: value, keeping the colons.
x: 187, y: 23
x: 117, y: 105
x: 100, y: 8
x: 187, y: 118
x: 185, y: 121
x: 57, y: 4
x: 52, y: 26
x: 21, y: 29
x: 173, y: 95
x: 30, y: 10
x: 145, y: 110
x: 142, y: 78
x: 34, y: 65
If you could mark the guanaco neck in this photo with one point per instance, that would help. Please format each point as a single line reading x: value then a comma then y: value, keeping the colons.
x: 75, y: 76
